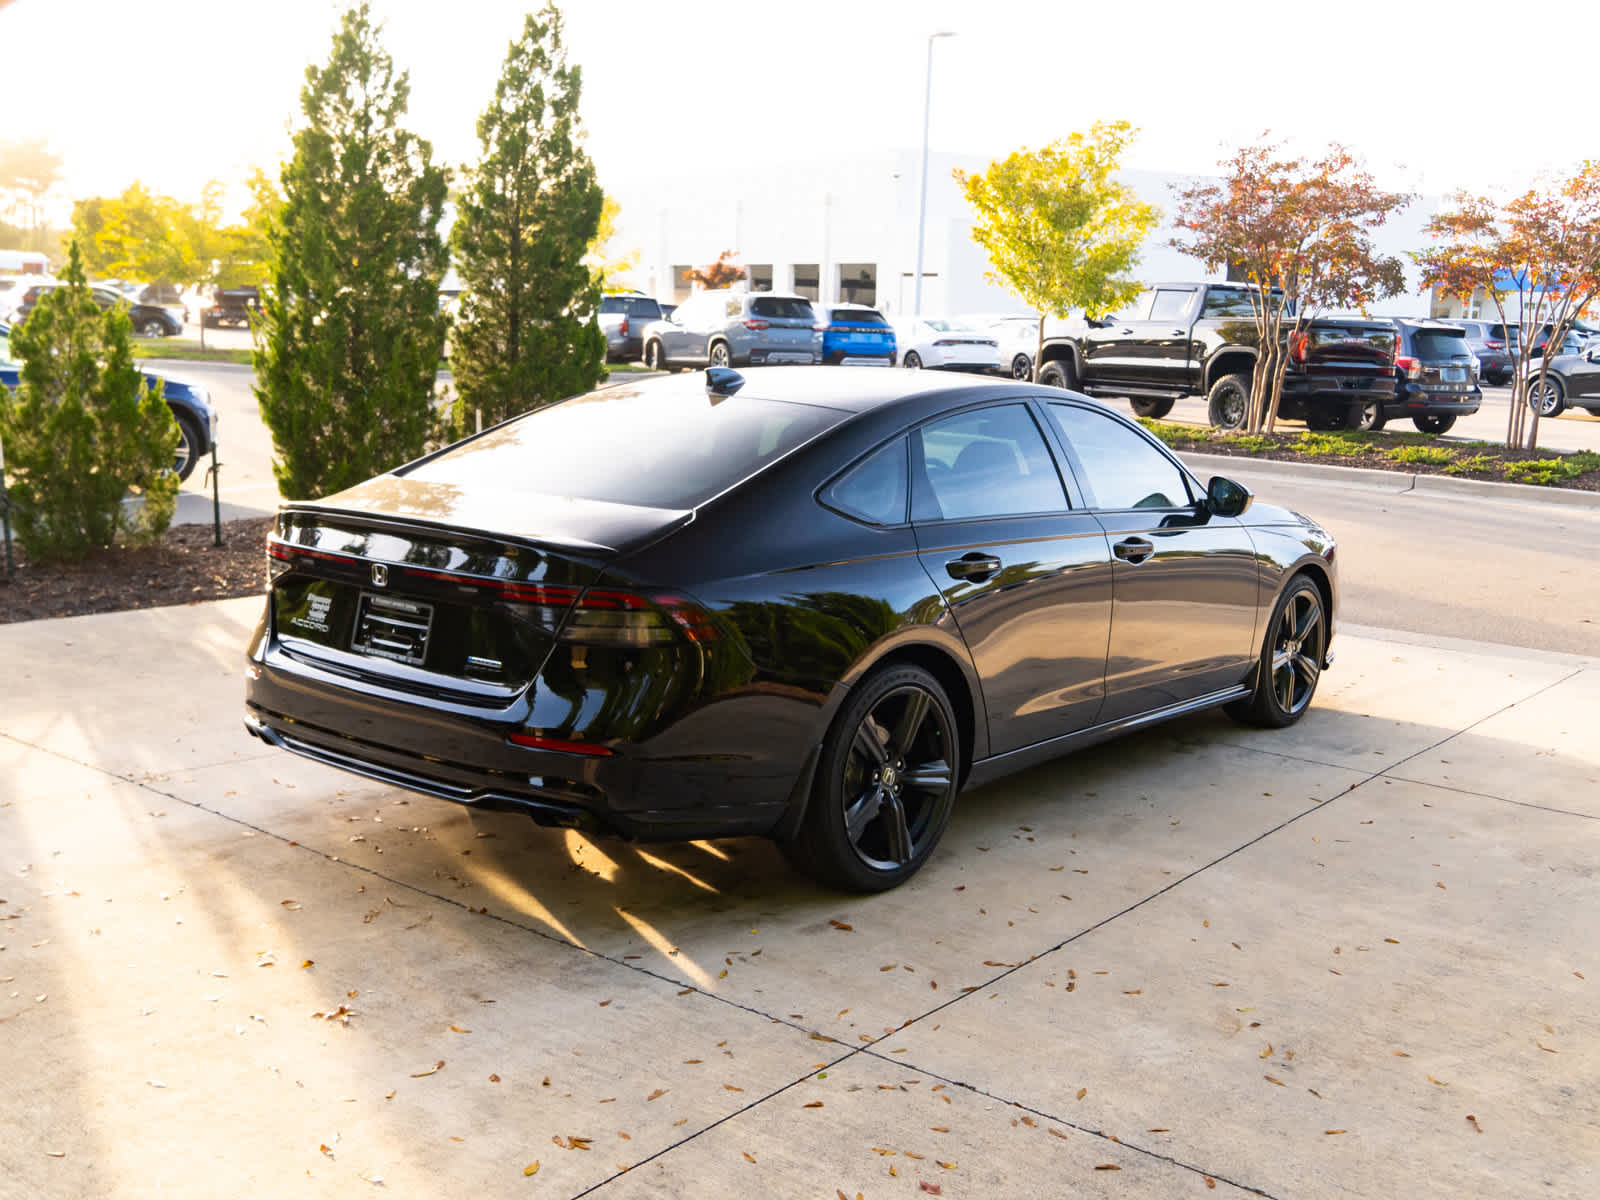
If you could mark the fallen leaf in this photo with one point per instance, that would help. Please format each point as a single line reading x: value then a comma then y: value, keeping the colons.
x: 578, y: 1143
x: 1082, y: 1092
x: 1134, y: 992
x: 1210, y: 1182
x: 813, y: 1104
x: 685, y: 991
x: 308, y: 962
x: 888, y: 966
x: 63, y: 1153
x: 1399, y: 1054
x: 1333, y: 1132
x: 841, y: 925
x: 324, y: 1148
x: 1267, y: 1053
x: 731, y: 1088
x: 430, y: 1071
x: 948, y: 1166
x: 1108, y: 1167
x: 1439, y: 1082
x: 627, y: 1137
x: 748, y: 1157
x: 1440, y: 886
x: 881, y: 1150
x: 1545, y: 1048
x: 494, y: 1078
x: 532, y: 1168
x: 603, y: 1003
x: 1158, y: 1129
x: 657, y: 1094
x: 1058, y: 1133
x: 931, y: 1188
x: 1392, y: 941
x: 1474, y: 1121
x: 1270, y: 1079
x: 908, y: 1154
x: 1030, y: 1122
x: 391, y: 1094
x: 940, y: 1128
x: 458, y: 1029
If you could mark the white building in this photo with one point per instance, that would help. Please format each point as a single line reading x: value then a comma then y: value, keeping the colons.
x: 845, y: 229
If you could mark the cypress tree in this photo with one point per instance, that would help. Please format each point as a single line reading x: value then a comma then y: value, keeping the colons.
x: 350, y: 330
x: 527, y: 333
x: 83, y: 430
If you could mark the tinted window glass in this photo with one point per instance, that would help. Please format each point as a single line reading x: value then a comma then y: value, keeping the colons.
x: 857, y: 316
x: 1123, y: 469
x: 875, y: 489
x: 613, y: 304
x: 1431, y: 346
x: 781, y: 306
x: 1169, y: 304
x: 991, y: 462
x: 657, y: 447
x: 1138, y: 310
x: 1227, y: 303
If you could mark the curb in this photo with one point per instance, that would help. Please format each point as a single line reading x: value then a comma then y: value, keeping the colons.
x: 1396, y: 481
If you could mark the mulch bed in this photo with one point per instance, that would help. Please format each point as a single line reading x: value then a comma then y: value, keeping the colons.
x: 183, y: 568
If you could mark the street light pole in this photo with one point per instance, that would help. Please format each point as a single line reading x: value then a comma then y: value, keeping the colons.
x: 922, y: 203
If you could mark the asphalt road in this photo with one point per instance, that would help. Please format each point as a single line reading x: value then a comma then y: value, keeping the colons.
x: 1517, y: 574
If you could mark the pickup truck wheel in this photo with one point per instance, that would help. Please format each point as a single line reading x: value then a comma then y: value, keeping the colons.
x: 1441, y: 423
x: 1372, y: 417
x: 1153, y: 409
x: 1059, y: 373
x: 1228, y: 402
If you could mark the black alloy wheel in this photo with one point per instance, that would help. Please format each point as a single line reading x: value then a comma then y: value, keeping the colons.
x: 719, y: 354
x: 1228, y: 402
x: 885, y: 785
x: 1292, y: 655
x: 1434, y: 423
x: 191, y: 445
x: 913, y: 361
x: 1153, y: 408
x: 1021, y: 367
x: 1546, y: 396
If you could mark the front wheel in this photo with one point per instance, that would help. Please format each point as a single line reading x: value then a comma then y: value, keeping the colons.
x: 1228, y: 402
x: 1327, y: 419
x: 1372, y: 417
x: 1021, y: 367
x: 913, y: 361
x: 151, y: 328
x: 191, y: 445
x: 885, y: 785
x: 1153, y: 409
x: 719, y: 354
x: 652, y: 356
x: 1547, y: 397
x: 1439, y: 423
x: 1291, y: 661
x: 1058, y: 373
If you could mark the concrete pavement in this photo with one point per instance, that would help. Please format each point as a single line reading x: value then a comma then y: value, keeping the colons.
x: 1357, y: 957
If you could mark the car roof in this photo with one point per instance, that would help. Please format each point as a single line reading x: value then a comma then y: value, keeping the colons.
x: 853, y: 389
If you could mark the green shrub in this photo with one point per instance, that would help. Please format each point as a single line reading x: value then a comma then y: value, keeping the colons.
x: 1436, y: 456
x: 1478, y: 464
x: 1172, y: 435
x: 1545, y: 471
x: 82, y: 431
x: 1337, y: 445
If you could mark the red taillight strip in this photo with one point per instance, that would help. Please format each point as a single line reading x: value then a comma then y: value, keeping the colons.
x: 534, y: 741
x: 286, y: 551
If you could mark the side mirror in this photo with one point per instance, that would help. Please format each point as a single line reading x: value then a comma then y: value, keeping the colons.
x: 1225, y: 498
x: 1592, y: 354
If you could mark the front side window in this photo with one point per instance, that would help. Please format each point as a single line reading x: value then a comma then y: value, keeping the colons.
x: 1170, y: 304
x: 989, y: 462
x: 874, y: 490
x: 1121, y: 468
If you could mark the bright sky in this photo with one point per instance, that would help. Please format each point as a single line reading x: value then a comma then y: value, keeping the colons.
x: 182, y: 91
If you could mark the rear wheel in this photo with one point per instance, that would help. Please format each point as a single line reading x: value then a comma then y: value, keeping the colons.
x: 1228, y: 402
x: 191, y: 445
x: 1372, y: 417
x: 1021, y: 367
x: 1440, y: 423
x: 150, y: 327
x: 1059, y: 373
x: 1327, y: 419
x: 1154, y: 409
x: 1292, y: 655
x: 1547, y: 397
x: 652, y: 356
x: 913, y: 361
x: 885, y: 784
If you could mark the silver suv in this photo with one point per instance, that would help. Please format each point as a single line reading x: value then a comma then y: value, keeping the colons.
x: 723, y: 329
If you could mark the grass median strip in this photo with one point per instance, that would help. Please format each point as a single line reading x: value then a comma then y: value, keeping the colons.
x: 1419, y: 453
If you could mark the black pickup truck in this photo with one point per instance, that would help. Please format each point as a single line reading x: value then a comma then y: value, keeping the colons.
x: 1199, y: 339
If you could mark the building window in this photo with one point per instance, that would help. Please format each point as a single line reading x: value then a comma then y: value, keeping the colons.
x: 858, y: 283
x: 807, y: 280
x: 760, y: 276
x: 682, y: 285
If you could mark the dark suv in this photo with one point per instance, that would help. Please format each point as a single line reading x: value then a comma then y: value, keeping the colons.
x: 1487, y: 340
x: 1436, y: 378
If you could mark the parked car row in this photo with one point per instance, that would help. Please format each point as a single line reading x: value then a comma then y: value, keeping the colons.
x: 148, y: 319
x: 190, y: 404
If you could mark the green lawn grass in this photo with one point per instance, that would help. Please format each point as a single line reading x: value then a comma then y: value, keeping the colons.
x: 188, y: 350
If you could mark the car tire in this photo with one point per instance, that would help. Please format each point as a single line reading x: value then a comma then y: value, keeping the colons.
x: 652, y: 357
x: 1059, y: 373
x: 1151, y: 409
x: 1431, y: 423
x: 1326, y: 420
x: 1021, y: 367
x: 885, y: 784
x: 191, y: 445
x: 1549, y: 398
x: 912, y: 361
x: 150, y: 327
x: 1228, y: 402
x: 1292, y: 655
x: 719, y: 356
x: 1372, y: 417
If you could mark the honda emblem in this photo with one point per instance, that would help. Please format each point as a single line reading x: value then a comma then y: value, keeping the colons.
x: 380, y: 575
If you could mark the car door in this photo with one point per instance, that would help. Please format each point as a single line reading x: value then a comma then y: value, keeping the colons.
x: 1026, y: 574
x: 1163, y: 340
x: 677, y: 339
x: 1583, y: 378
x: 1109, y: 354
x: 1187, y: 587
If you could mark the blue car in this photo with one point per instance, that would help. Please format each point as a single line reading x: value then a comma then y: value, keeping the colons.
x: 190, y: 404
x: 856, y: 334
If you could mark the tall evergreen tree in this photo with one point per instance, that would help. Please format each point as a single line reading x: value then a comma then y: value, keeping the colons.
x: 350, y: 331
x: 527, y: 333
x: 82, y: 430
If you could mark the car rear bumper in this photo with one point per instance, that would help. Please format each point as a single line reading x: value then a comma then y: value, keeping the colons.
x: 1411, y: 401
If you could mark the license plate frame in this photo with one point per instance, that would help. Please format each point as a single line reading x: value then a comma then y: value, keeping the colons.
x: 393, y: 627
x: 1452, y: 374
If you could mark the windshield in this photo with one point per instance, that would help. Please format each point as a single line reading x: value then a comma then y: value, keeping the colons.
x: 940, y: 325
x: 662, y: 445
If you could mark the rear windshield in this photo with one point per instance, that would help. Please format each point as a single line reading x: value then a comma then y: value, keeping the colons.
x: 782, y: 306
x: 654, y: 446
x: 1430, y: 346
x: 857, y: 316
x: 634, y: 306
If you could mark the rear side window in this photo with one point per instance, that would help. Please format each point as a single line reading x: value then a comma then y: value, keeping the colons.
x: 991, y: 462
x: 657, y: 447
x: 874, y: 490
x: 1227, y: 302
x: 782, y: 306
x: 1169, y: 304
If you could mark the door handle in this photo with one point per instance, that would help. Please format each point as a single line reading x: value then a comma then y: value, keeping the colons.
x: 976, y: 567
x: 1125, y: 332
x: 1134, y: 549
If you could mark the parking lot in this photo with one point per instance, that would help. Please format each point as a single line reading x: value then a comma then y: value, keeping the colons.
x: 1355, y: 957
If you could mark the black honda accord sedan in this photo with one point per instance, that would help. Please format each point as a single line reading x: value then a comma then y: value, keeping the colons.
x: 811, y: 605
